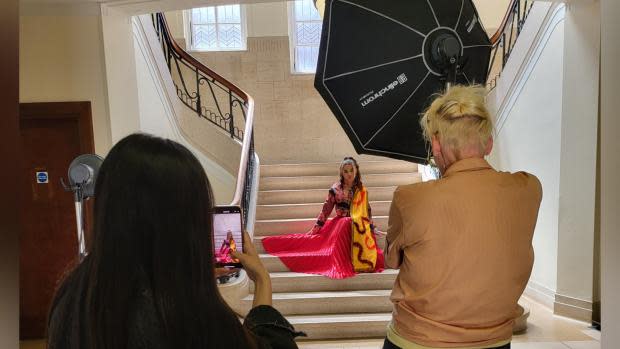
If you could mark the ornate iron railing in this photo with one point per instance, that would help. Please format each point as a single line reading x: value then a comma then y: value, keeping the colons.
x: 201, y: 89
x: 215, y: 99
x: 505, y: 38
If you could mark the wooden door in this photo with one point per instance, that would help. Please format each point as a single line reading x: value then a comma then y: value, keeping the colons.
x: 52, y: 135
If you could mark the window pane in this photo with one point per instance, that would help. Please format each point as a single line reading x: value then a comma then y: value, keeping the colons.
x: 217, y: 27
x: 306, y: 59
x: 196, y: 16
x: 308, y: 33
x: 299, y: 10
x: 203, y: 15
x: 229, y: 14
x: 204, y: 37
x: 230, y: 36
x: 305, y: 11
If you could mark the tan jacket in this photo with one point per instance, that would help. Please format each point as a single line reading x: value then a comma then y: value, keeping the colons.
x: 463, y: 244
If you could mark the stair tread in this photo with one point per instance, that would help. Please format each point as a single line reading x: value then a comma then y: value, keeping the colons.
x: 266, y: 255
x: 315, y: 203
x: 291, y: 274
x: 299, y: 219
x: 325, y: 294
x: 339, y: 318
x: 336, y: 178
x: 323, y: 182
x: 370, y: 189
x: 337, y: 163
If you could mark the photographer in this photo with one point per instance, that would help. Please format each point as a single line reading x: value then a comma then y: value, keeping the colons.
x: 463, y: 243
x: 149, y: 279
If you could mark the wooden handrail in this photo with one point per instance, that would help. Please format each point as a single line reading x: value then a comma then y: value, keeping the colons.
x: 498, y: 34
x: 504, y: 39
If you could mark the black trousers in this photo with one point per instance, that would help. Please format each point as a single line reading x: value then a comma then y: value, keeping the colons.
x: 389, y: 345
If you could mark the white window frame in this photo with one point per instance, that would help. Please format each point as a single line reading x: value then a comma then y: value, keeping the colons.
x: 292, y: 34
x: 189, y: 35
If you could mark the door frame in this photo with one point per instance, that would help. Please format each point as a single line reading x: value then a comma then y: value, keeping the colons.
x: 80, y: 111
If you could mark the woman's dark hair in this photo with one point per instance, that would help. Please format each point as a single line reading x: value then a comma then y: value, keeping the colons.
x: 357, y: 181
x: 150, y: 266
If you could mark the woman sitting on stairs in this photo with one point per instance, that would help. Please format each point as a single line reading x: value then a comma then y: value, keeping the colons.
x: 338, y: 248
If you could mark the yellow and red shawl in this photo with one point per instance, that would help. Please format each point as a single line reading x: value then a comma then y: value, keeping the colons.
x: 363, y: 244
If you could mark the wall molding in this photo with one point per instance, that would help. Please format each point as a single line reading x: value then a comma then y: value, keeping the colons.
x: 573, y: 308
x: 512, y: 88
x: 562, y: 305
x: 540, y: 294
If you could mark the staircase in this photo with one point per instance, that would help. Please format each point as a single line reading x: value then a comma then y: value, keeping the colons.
x: 289, y: 201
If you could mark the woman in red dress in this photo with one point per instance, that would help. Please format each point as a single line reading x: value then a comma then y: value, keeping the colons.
x: 228, y: 246
x: 339, y: 247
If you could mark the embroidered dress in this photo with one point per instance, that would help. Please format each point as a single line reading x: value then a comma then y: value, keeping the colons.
x: 336, y: 247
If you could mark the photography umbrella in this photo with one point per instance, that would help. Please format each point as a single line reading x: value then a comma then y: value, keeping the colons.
x: 380, y: 62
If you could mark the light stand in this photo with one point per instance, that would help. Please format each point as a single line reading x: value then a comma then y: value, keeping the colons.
x: 82, y: 178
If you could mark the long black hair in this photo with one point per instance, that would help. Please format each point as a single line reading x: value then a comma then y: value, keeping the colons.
x: 150, y: 265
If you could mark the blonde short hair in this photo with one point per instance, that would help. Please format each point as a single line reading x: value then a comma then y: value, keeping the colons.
x: 459, y: 118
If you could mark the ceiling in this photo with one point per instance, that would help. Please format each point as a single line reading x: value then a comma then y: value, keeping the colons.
x: 132, y: 7
x: 491, y: 11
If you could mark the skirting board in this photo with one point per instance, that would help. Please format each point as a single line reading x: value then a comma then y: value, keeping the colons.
x: 573, y: 308
x: 540, y: 294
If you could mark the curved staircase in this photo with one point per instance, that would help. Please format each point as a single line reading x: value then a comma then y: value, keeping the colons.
x: 289, y: 200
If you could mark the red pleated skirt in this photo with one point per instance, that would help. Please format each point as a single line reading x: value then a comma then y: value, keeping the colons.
x: 326, y: 253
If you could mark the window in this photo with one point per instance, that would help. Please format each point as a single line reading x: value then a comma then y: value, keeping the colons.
x: 217, y: 28
x: 305, y: 33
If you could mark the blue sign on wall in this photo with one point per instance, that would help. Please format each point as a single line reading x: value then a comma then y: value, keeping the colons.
x: 42, y: 177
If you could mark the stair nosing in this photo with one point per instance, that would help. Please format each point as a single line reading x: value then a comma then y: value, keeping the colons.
x: 347, y: 317
x: 315, y: 203
x: 305, y: 190
x: 338, y: 163
x: 335, y: 177
x: 326, y: 295
x: 292, y: 274
x: 301, y: 219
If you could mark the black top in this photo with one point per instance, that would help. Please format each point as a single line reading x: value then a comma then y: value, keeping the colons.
x: 269, y: 327
x: 272, y: 329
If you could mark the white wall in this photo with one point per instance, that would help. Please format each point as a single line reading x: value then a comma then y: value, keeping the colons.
x: 578, y: 161
x: 267, y: 19
x: 73, y: 54
x: 122, y: 88
x: 175, y: 23
x: 528, y: 138
x: 62, y: 59
x: 491, y: 12
x: 610, y: 167
x: 159, y: 106
x: 547, y: 125
x: 152, y: 108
